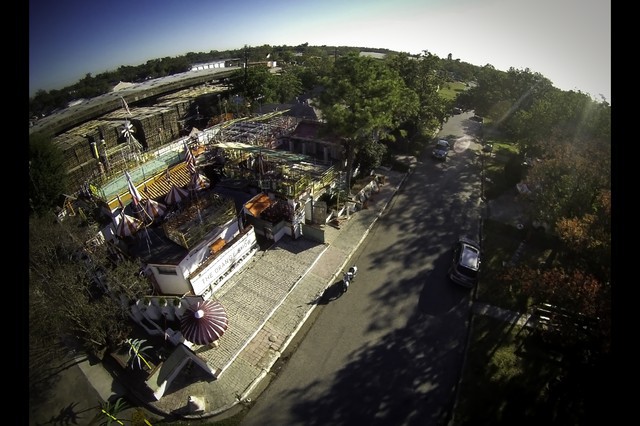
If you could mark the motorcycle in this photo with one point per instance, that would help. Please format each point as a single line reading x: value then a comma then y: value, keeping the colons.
x: 347, y: 277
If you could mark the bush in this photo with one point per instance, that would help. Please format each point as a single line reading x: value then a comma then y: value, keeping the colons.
x: 514, y: 171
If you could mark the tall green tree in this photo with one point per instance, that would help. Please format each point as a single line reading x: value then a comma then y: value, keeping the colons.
x: 255, y: 84
x: 500, y: 95
x: 288, y: 86
x: 47, y: 173
x: 363, y: 101
x: 423, y: 75
x: 311, y: 70
x: 558, y: 114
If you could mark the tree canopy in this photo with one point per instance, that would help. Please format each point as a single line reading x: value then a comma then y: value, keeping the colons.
x: 363, y: 101
x: 75, y: 287
x: 47, y: 173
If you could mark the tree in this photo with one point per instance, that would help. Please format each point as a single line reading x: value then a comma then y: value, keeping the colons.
x: 255, y: 84
x: 76, y: 290
x: 371, y: 155
x: 560, y: 115
x: 423, y: 76
x: 584, y: 298
x: 570, y: 179
x: 589, y: 234
x: 312, y: 72
x: 47, y: 177
x: 363, y: 101
x: 288, y: 86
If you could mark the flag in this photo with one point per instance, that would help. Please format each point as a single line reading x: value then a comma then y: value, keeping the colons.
x: 189, y: 159
x: 124, y: 104
x: 135, y: 195
x: 120, y: 202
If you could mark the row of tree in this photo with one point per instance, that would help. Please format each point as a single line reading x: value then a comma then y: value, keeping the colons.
x: 44, y: 102
x: 567, y: 134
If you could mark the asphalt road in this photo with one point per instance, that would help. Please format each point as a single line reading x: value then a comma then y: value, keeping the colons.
x: 390, y: 351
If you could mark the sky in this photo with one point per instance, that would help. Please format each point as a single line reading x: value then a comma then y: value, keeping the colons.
x: 567, y: 41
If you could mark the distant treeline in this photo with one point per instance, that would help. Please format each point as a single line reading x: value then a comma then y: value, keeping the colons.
x: 45, y: 102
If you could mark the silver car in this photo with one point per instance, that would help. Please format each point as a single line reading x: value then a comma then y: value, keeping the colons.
x: 441, y: 150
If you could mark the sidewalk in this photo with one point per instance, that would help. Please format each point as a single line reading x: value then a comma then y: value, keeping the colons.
x: 267, y: 303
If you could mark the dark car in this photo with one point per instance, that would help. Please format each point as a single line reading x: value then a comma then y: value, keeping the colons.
x: 465, y: 264
x: 441, y: 150
x: 488, y: 147
x: 477, y: 118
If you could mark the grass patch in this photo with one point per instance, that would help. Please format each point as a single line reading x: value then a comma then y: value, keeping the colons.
x: 497, y: 181
x: 450, y: 90
x: 503, y: 382
x: 502, y: 148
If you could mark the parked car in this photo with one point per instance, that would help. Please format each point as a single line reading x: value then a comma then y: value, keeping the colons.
x: 465, y: 264
x: 477, y: 118
x: 441, y: 150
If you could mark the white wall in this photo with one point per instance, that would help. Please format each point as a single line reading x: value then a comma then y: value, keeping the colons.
x: 183, y: 282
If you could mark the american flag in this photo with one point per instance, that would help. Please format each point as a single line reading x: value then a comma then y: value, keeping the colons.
x: 189, y: 159
x: 124, y: 104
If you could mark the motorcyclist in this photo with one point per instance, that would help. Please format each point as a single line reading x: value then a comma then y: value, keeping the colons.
x: 348, y: 277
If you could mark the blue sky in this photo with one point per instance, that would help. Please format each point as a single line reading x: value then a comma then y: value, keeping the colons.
x: 568, y: 41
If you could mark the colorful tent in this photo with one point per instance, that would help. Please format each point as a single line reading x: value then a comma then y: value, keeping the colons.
x: 153, y: 209
x: 127, y: 225
x: 189, y: 159
x: 198, y: 182
x: 176, y: 195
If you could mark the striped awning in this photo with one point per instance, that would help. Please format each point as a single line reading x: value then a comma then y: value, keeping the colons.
x: 128, y: 226
x: 204, y: 322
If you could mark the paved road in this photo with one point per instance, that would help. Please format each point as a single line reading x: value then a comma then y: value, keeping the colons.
x: 390, y: 351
